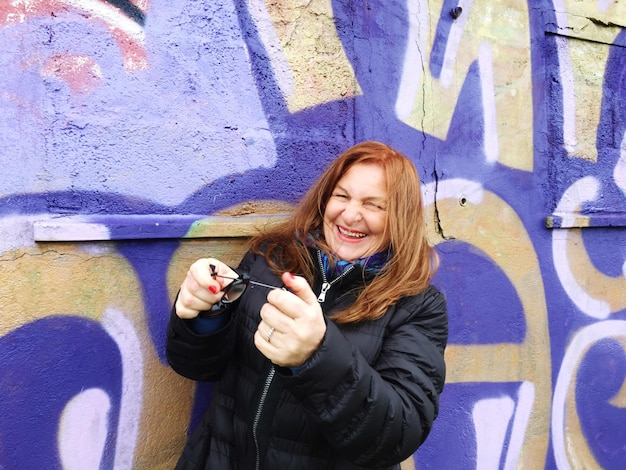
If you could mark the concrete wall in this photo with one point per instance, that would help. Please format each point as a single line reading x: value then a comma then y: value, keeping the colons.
x: 138, y: 136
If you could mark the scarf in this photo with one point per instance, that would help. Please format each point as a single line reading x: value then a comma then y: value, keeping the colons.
x: 370, y: 264
x: 332, y: 268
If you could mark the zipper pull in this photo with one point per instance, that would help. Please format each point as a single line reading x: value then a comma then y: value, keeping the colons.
x: 322, y: 296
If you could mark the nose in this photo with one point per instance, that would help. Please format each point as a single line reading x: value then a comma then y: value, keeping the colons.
x: 352, y: 213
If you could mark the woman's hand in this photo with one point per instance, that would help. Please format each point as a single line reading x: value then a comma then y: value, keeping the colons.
x: 200, y: 291
x: 292, y: 324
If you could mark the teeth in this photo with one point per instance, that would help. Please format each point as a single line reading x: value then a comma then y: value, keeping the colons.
x: 348, y: 233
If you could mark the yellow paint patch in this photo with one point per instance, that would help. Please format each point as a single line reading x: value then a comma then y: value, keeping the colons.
x: 313, y: 50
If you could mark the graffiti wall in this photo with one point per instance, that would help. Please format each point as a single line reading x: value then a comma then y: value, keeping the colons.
x: 137, y: 136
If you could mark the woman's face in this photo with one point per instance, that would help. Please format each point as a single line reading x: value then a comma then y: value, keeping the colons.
x: 356, y: 213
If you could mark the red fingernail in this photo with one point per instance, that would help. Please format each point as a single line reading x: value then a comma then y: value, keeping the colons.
x: 291, y: 276
x: 213, y: 289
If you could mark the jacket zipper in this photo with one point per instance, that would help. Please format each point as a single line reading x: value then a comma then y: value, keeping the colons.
x: 270, y: 375
x: 259, y: 411
x: 325, y: 284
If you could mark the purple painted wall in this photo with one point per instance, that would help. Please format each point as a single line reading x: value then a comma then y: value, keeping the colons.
x: 138, y: 136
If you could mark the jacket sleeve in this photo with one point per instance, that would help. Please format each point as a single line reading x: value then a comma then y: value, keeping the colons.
x: 196, y: 356
x: 201, y: 357
x: 379, y: 414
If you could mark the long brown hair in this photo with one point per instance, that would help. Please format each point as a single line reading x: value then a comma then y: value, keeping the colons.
x: 412, y: 260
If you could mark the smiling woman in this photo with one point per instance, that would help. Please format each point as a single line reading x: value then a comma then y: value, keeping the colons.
x: 355, y: 215
x: 384, y: 182
x: 356, y: 315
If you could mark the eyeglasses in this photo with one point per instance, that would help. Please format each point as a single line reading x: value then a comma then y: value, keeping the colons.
x: 233, y: 291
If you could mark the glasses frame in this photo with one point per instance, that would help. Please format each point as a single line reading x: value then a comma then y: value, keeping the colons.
x: 243, y: 280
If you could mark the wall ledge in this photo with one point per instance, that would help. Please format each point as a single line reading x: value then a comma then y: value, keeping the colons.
x: 149, y: 227
x: 589, y: 26
x: 585, y: 221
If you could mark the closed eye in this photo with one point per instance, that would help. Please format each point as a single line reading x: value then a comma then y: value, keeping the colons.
x: 374, y: 206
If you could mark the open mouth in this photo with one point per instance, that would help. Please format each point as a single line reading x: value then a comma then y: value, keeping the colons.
x: 350, y: 234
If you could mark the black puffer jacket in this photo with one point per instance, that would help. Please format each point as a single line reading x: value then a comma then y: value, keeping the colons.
x: 366, y: 399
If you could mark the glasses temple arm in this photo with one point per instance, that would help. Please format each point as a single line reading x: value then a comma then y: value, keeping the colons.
x: 214, y: 274
x: 264, y: 285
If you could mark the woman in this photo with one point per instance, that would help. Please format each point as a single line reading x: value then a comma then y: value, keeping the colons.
x: 342, y: 367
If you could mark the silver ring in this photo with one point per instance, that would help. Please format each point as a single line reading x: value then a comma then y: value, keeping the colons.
x: 269, y: 335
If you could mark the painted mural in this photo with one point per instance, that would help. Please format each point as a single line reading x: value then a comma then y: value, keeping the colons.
x: 136, y: 136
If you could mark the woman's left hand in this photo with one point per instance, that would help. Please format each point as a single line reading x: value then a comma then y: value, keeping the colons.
x: 292, y: 323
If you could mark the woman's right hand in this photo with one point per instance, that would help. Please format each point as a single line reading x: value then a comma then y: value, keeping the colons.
x: 200, y: 291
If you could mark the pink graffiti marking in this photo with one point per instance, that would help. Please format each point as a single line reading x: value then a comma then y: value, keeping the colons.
x: 81, y: 73
x: 123, y: 19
